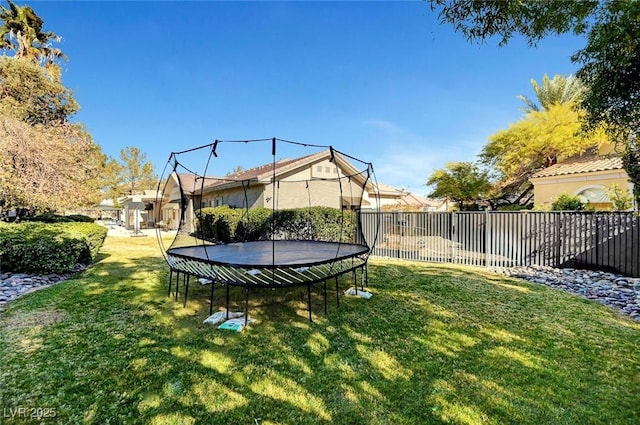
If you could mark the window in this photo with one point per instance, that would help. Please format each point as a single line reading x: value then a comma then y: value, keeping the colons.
x: 319, y: 169
x: 327, y: 170
x: 594, y: 194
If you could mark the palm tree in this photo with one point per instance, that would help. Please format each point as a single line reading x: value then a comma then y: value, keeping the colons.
x: 558, y: 90
x: 21, y: 31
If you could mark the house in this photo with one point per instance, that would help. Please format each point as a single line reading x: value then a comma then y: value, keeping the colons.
x: 140, y: 211
x: 325, y: 178
x: 410, y: 202
x: 589, y: 176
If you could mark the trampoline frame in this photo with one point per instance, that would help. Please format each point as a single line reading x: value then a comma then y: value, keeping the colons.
x: 272, y: 275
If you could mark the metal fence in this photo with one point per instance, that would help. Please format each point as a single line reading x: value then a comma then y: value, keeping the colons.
x: 597, y: 240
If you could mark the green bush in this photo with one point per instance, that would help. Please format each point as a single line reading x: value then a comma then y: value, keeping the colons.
x: 80, y: 218
x: 57, y: 218
x: 32, y: 247
x: 567, y: 202
x: 219, y: 223
x: 225, y: 224
x: 256, y: 226
x: 92, y: 234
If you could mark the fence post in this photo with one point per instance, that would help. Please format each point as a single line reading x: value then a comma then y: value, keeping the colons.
x: 452, y: 232
x: 597, y: 239
x: 558, y: 239
x: 485, y: 245
x: 395, y: 231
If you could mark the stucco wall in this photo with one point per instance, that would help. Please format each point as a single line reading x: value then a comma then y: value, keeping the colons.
x: 547, y: 189
x: 235, y: 197
x: 299, y: 194
x: 314, y: 185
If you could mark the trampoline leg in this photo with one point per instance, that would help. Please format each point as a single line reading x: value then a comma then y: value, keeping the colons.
x: 211, y: 299
x: 309, y: 301
x: 170, y: 282
x: 186, y: 290
x: 177, y: 284
x: 355, y: 280
x: 246, y: 306
x: 362, y: 278
x: 227, y: 302
x: 325, y: 296
x: 337, y: 293
x: 366, y: 274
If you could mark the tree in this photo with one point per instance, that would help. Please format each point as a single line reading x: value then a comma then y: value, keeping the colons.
x: 462, y: 182
x: 611, y: 68
x: 610, y: 61
x: 30, y: 94
x: 22, y: 32
x: 534, y: 20
x: 558, y: 90
x: 536, y: 142
x: 236, y: 170
x: 131, y: 175
x: 47, y: 163
x: 620, y: 197
x: 42, y: 169
x: 631, y: 163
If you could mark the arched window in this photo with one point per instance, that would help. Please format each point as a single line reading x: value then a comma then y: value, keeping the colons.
x: 595, y: 194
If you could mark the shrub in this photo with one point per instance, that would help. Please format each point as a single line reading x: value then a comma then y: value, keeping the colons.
x: 48, y: 248
x: 92, y: 234
x: 331, y: 224
x: 225, y: 224
x: 57, y: 218
x: 255, y: 226
x: 621, y: 198
x: 80, y: 218
x: 567, y: 202
x: 219, y: 223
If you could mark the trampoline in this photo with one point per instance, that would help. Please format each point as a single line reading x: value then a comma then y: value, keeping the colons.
x: 282, y: 240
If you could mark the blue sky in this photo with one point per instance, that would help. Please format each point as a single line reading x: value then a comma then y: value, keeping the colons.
x: 382, y: 81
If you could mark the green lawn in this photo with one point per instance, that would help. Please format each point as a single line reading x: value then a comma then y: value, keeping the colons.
x: 435, y: 344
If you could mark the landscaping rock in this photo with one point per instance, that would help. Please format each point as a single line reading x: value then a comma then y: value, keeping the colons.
x: 15, y: 285
x: 618, y: 292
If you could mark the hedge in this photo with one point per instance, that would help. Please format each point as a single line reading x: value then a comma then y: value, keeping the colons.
x: 32, y: 247
x: 56, y: 218
x: 225, y: 224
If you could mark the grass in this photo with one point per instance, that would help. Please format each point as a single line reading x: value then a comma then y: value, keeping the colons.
x: 436, y: 344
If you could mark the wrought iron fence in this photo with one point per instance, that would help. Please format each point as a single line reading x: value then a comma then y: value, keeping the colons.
x: 598, y: 240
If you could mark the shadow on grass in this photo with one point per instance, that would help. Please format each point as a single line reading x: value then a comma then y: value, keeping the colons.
x: 434, y: 345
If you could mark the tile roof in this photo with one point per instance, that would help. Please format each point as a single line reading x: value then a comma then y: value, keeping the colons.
x: 385, y: 189
x: 581, y: 164
x: 410, y: 199
x: 262, y: 172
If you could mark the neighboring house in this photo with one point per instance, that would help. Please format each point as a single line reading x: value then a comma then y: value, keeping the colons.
x: 390, y: 197
x: 590, y: 176
x: 307, y: 181
x: 419, y: 203
x: 140, y: 211
x: 407, y: 201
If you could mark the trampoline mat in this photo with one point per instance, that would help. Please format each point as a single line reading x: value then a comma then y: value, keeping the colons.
x: 269, y: 254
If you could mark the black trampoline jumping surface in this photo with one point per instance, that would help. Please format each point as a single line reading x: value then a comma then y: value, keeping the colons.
x: 271, y: 254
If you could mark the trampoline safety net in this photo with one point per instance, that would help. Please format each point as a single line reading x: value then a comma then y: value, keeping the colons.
x: 265, y: 212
